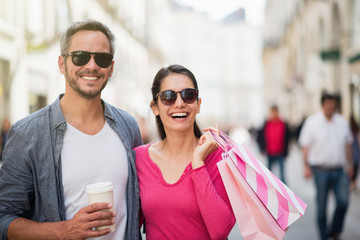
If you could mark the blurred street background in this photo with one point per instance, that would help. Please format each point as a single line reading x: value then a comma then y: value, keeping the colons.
x: 246, y: 56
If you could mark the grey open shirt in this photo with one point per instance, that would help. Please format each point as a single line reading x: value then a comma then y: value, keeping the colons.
x: 31, y: 180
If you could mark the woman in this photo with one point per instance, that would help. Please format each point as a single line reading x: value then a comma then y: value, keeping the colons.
x: 181, y: 191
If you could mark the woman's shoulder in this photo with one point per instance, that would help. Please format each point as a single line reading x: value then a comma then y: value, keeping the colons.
x: 141, y: 155
x: 142, y: 149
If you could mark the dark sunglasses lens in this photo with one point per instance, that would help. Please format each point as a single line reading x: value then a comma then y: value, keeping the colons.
x: 103, y: 60
x: 80, y: 58
x: 189, y: 95
x: 168, y: 97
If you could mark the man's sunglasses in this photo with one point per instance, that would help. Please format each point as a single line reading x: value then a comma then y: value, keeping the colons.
x: 188, y: 95
x: 81, y: 58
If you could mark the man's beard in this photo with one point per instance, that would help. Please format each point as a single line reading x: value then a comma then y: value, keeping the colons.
x: 85, y: 94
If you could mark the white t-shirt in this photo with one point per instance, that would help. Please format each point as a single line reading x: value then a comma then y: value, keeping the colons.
x: 88, y: 159
x: 326, y: 140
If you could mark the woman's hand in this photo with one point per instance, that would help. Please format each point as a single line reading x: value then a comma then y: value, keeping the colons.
x: 206, y: 145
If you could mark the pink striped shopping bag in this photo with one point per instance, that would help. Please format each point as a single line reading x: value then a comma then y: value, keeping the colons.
x: 283, y: 204
x: 254, y: 220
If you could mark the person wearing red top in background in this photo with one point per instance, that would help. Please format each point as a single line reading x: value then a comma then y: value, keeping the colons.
x: 273, y: 140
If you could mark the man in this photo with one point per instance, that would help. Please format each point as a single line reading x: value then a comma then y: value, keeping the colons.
x: 54, y: 153
x: 274, y: 139
x: 326, y: 144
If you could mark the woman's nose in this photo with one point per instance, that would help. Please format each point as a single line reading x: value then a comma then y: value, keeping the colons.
x: 179, y: 101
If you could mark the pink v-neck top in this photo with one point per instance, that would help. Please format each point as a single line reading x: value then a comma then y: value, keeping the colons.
x: 195, y: 207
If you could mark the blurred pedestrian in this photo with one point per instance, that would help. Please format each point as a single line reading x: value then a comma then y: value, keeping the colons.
x: 326, y: 144
x: 181, y: 191
x: 273, y: 139
x: 355, y: 149
x: 55, y: 152
x: 4, y: 135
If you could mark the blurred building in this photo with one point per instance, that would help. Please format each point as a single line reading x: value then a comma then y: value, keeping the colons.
x: 311, y: 46
x: 242, y: 70
x: 225, y: 56
x: 13, y: 45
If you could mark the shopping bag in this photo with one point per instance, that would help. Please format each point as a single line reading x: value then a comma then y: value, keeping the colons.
x: 283, y: 204
x: 254, y: 220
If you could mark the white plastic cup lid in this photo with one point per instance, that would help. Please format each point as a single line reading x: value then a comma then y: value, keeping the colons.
x: 99, y: 187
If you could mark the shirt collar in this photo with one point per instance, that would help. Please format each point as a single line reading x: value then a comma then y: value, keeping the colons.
x: 59, y: 119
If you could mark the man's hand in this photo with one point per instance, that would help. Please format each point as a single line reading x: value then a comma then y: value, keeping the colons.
x: 350, y: 172
x: 83, y: 224
x: 307, y: 168
x: 307, y: 172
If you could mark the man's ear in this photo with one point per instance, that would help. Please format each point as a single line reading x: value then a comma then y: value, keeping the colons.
x: 111, y: 69
x: 154, y: 108
x: 61, y: 64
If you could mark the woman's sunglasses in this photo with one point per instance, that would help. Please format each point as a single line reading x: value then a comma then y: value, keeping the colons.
x: 188, y: 95
x: 81, y: 58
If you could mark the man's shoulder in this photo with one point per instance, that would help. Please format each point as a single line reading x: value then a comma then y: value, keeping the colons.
x: 40, y: 117
x: 124, y: 122
x: 122, y: 119
x: 312, y: 123
x: 339, y: 117
x: 314, y: 118
x: 116, y: 113
x: 32, y: 120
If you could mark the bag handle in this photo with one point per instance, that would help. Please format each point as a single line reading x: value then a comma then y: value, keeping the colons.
x: 227, y: 139
x: 224, y: 141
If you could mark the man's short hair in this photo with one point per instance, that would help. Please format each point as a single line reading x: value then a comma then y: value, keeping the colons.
x: 327, y: 96
x: 86, y: 25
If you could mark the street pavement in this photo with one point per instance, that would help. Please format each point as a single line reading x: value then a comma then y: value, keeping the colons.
x: 306, y: 227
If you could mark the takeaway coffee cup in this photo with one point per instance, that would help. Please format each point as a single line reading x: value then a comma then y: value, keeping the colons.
x: 101, y: 192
